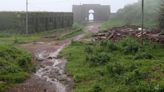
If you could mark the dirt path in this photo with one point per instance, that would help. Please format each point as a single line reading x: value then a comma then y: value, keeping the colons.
x: 93, y: 27
x: 50, y: 74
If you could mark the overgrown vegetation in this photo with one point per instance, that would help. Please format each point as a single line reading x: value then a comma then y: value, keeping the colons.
x: 15, y: 66
x: 161, y: 16
x: 123, y: 66
x: 131, y: 15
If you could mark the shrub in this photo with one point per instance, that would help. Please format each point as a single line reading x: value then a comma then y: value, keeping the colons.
x: 161, y: 16
x: 98, y: 59
x: 110, y: 46
x: 144, y: 55
x: 115, y: 69
x: 130, y: 45
x: 149, y: 87
x: 24, y: 62
x: 3, y: 87
x: 77, y: 78
x: 133, y: 77
x: 89, y: 49
x: 96, y: 88
x: 103, y: 43
x: 160, y: 86
x: 131, y: 49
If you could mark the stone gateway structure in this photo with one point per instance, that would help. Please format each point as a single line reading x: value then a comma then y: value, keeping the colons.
x: 90, y: 12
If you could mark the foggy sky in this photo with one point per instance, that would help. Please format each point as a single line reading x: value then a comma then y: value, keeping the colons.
x: 58, y: 5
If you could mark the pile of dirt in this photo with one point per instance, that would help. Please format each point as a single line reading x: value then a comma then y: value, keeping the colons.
x: 118, y: 33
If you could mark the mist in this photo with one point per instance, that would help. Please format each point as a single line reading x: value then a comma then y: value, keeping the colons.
x: 58, y: 5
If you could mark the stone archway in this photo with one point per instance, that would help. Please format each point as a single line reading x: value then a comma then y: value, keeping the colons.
x: 81, y: 12
x: 91, y: 15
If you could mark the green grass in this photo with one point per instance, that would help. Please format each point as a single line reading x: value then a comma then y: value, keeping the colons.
x: 110, y: 24
x: 15, y: 66
x: 72, y: 34
x: 123, y: 72
x: 7, y: 38
x: 77, y: 29
x: 117, y: 23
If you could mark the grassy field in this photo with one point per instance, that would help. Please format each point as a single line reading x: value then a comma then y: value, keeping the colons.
x: 125, y: 66
x: 56, y: 34
x: 6, y: 38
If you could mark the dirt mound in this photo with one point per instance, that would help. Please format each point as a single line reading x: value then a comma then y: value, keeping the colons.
x: 118, y: 33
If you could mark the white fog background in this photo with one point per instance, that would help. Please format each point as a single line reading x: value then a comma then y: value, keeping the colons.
x: 58, y: 5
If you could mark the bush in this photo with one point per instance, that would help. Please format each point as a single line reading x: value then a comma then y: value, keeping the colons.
x: 3, y: 87
x: 161, y: 16
x: 110, y: 46
x: 115, y: 69
x: 24, y: 62
x: 130, y: 45
x: 96, y: 88
x: 160, y: 86
x: 89, y: 49
x: 98, y: 59
x: 144, y: 55
x: 131, y: 49
x: 149, y: 87
x: 77, y: 79
x: 135, y: 76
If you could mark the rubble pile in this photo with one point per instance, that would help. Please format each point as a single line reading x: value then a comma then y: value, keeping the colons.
x: 118, y: 33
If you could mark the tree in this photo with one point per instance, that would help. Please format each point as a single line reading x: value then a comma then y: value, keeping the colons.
x: 131, y: 14
x: 161, y: 16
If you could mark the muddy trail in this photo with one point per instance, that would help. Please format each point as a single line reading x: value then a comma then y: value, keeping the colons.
x: 50, y: 75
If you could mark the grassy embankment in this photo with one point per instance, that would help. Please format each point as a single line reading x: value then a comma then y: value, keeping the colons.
x: 15, y: 66
x: 57, y: 34
x: 124, y: 66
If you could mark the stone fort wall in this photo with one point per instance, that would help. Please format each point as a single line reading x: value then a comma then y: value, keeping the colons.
x: 81, y: 12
